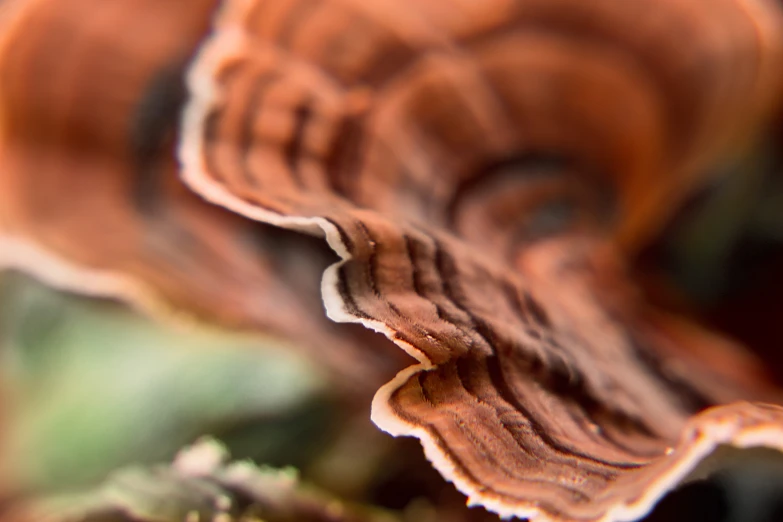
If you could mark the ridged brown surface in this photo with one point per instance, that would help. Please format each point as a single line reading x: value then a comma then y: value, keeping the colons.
x: 413, y: 108
x: 474, y: 164
x: 478, y: 166
x: 90, y: 201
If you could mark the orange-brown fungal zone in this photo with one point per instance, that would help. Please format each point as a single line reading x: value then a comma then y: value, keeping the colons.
x: 478, y: 167
x: 90, y: 200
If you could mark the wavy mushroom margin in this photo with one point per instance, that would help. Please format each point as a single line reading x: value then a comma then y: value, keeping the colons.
x: 740, y: 425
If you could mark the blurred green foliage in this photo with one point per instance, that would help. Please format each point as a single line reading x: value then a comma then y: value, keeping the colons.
x: 95, y: 386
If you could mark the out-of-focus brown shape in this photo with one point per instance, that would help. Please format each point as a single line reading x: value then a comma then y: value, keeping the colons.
x: 476, y: 165
x: 90, y: 94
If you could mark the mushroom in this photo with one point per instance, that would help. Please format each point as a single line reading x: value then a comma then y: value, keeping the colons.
x: 482, y: 170
x: 91, y: 200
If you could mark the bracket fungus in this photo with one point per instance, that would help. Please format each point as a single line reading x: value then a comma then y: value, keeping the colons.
x: 91, y: 201
x: 481, y: 168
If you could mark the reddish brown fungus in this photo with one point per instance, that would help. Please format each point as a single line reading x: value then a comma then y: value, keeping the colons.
x: 480, y: 168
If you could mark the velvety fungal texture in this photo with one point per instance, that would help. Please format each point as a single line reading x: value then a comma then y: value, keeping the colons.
x: 482, y: 169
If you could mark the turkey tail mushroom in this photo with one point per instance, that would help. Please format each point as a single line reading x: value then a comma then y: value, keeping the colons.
x: 412, y: 107
x: 90, y: 200
x: 478, y: 166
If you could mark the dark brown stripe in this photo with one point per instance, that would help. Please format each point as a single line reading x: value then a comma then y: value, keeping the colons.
x: 416, y: 259
x: 465, y: 471
x: 517, y: 306
x: 648, y: 62
x: 343, y: 160
x: 294, y: 148
x: 559, y: 378
x: 246, y: 141
x: 372, y: 279
x: 531, y: 165
x: 153, y: 128
x: 465, y: 367
x: 505, y: 391
x: 389, y: 62
x: 345, y: 239
x: 691, y: 398
x: 372, y: 261
x: 345, y: 294
x: 210, y: 139
x: 537, y: 311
